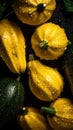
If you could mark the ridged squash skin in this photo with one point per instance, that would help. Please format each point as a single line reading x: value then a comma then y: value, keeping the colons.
x: 32, y: 119
x: 34, y: 12
x: 63, y: 119
x: 49, y: 41
x: 12, y: 46
x: 46, y: 83
x: 11, y: 99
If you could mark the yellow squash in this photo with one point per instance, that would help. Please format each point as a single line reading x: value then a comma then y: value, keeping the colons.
x: 45, y: 82
x: 49, y: 41
x: 31, y: 118
x: 34, y: 12
x: 60, y: 114
x: 12, y: 46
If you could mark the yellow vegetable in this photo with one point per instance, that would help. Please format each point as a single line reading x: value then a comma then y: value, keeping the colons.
x: 45, y: 82
x: 31, y: 118
x: 49, y: 41
x: 12, y: 46
x: 60, y: 114
x: 34, y: 12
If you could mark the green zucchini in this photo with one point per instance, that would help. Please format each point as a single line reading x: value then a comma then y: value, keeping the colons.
x: 11, y: 99
x: 68, y: 65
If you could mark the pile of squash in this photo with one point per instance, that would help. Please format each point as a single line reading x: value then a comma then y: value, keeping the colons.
x: 39, y: 103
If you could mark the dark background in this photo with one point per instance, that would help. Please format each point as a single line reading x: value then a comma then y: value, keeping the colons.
x: 65, y: 20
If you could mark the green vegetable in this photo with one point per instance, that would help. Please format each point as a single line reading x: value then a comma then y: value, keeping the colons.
x: 48, y: 110
x: 68, y: 5
x: 68, y: 65
x: 11, y: 99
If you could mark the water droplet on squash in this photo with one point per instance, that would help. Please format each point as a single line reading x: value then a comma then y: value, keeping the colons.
x: 5, y: 36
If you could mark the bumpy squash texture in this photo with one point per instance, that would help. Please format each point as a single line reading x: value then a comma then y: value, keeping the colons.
x: 49, y: 41
x: 32, y: 119
x: 12, y: 46
x: 63, y: 120
x: 34, y: 12
x: 45, y: 82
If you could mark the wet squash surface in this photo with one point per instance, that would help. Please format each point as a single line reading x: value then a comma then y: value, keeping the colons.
x: 65, y: 20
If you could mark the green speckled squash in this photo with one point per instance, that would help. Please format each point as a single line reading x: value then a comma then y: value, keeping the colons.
x: 11, y: 99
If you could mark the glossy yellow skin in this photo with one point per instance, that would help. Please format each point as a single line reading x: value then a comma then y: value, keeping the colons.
x: 63, y: 120
x: 12, y: 46
x: 55, y: 37
x: 32, y: 120
x: 45, y: 82
x: 26, y: 11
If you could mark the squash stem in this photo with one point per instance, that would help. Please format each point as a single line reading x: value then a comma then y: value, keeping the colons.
x: 43, y: 44
x: 41, y: 7
x: 31, y: 57
x: 50, y: 111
